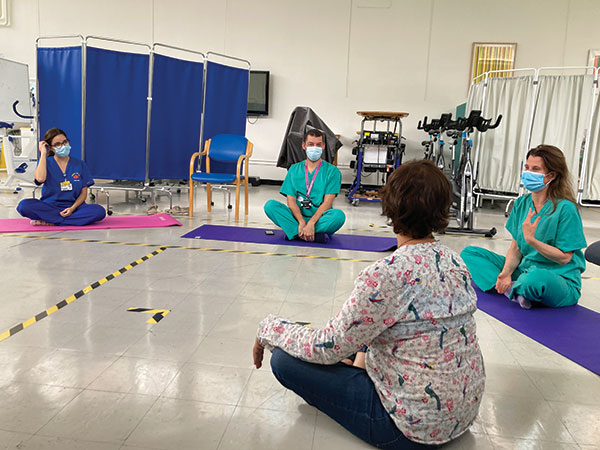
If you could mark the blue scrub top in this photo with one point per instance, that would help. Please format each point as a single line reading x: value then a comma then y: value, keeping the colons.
x: 561, y: 228
x: 77, y: 173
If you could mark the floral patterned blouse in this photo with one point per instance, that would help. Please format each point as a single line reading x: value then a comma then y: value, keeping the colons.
x: 414, y: 309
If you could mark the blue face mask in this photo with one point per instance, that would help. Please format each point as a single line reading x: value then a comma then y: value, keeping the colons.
x: 533, y: 181
x: 314, y: 153
x: 63, y: 151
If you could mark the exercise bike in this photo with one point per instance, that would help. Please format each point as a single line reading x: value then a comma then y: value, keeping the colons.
x: 464, y: 177
x: 435, y: 129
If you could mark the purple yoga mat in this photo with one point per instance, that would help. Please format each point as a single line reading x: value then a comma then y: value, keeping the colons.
x: 258, y: 236
x: 572, y: 331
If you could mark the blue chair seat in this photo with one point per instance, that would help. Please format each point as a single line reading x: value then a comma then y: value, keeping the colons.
x: 204, y: 177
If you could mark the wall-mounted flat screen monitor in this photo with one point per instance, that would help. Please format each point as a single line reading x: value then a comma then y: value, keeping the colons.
x: 258, y: 93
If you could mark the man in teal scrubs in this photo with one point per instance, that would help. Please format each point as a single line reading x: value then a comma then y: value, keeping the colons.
x: 310, y: 188
x: 545, y: 261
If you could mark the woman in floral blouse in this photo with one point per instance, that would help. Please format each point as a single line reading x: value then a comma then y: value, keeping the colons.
x: 424, y: 377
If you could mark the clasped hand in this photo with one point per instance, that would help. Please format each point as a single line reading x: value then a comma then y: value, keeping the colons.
x: 306, y: 231
x: 66, y: 212
x: 257, y: 353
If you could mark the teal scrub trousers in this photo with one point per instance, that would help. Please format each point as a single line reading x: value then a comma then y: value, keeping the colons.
x: 331, y: 220
x: 535, y: 284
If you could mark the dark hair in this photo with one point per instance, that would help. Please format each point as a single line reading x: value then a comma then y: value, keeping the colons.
x: 554, y: 160
x: 416, y: 199
x: 314, y: 133
x: 52, y: 133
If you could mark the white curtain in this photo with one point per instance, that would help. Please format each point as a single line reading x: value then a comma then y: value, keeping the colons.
x: 591, y: 187
x: 475, y: 97
x: 501, y: 150
x: 562, y: 116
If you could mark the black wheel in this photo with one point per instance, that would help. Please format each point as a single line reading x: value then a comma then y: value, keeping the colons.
x: 355, y: 202
x: 143, y: 199
x: 229, y: 207
x: 92, y: 197
x: 109, y: 212
x: 212, y: 203
x: 179, y: 191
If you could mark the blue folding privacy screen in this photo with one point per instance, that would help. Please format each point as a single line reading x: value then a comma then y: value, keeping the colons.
x: 176, y: 116
x: 226, y: 100
x: 115, y: 114
x: 131, y: 132
x: 59, y: 102
x: 225, y: 105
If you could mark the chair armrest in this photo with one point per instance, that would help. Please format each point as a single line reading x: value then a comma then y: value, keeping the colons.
x: 239, y: 164
x: 246, y: 157
x: 192, y: 161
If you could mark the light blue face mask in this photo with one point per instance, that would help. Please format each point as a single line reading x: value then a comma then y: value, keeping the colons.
x: 533, y: 181
x: 314, y: 153
x: 63, y: 151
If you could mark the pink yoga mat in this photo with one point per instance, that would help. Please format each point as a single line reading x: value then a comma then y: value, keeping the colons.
x: 153, y: 221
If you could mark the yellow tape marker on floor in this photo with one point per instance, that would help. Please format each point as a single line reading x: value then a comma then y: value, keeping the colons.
x: 77, y: 295
x: 183, y: 247
x: 159, y: 314
x: 222, y: 250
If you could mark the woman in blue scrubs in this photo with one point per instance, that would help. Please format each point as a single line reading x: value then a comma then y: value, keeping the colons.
x: 544, y: 262
x: 65, y: 181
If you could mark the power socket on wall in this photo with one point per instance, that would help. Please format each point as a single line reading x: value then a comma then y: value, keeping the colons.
x: 4, y: 17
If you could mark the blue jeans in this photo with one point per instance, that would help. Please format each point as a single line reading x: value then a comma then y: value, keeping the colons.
x: 344, y: 393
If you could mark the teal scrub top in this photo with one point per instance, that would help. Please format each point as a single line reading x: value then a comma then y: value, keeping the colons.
x: 328, y: 181
x: 561, y: 229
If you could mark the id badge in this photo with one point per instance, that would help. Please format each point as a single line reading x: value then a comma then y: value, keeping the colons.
x: 66, y: 186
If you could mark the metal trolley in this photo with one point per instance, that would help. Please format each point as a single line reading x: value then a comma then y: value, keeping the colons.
x: 378, y: 152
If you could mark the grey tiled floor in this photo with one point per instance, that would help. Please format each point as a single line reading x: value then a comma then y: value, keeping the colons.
x: 93, y: 376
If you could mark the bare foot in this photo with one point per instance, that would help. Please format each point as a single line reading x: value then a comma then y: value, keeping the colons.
x: 40, y: 223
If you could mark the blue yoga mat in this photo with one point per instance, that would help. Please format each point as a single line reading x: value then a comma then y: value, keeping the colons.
x: 258, y: 236
x: 572, y: 331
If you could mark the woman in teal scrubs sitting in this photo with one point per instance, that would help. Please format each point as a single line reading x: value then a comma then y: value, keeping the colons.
x: 544, y: 262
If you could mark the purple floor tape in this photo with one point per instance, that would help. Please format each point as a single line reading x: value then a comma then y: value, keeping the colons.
x: 258, y: 236
x: 573, y: 331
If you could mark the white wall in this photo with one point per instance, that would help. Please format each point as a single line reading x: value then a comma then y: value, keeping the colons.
x: 336, y: 56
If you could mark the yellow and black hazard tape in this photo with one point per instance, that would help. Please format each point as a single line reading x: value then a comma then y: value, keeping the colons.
x: 183, y: 247
x: 21, y: 326
x: 205, y: 249
x: 159, y: 314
